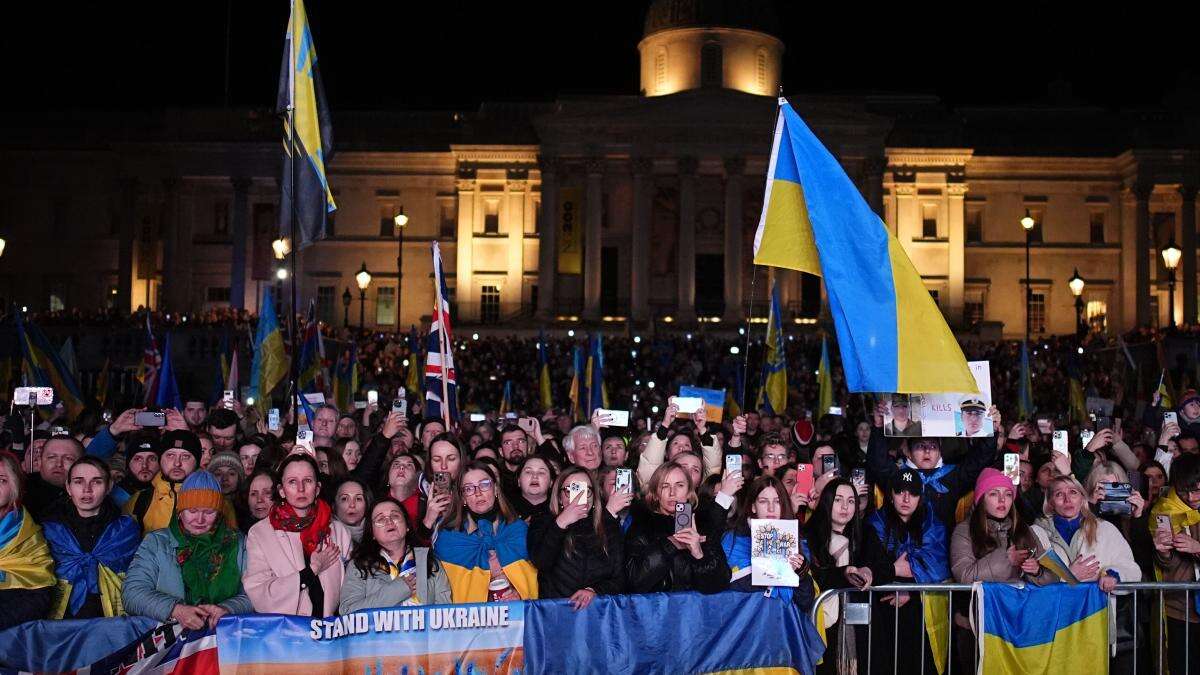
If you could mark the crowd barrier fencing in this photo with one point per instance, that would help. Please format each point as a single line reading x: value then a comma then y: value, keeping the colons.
x: 860, y: 614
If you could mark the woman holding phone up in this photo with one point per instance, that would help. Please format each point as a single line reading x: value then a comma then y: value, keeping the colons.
x: 577, y: 547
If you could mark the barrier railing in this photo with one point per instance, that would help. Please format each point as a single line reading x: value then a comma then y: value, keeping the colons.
x: 860, y: 614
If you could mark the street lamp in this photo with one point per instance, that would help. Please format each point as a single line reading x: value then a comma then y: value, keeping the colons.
x: 3, y: 243
x: 281, y: 248
x: 363, y: 279
x: 1027, y: 222
x: 346, y: 298
x: 401, y: 220
x: 1171, y: 255
x: 1075, y: 283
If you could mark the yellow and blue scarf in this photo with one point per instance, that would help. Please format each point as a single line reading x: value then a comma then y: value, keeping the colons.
x: 25, y: 560
x: 82, y: 571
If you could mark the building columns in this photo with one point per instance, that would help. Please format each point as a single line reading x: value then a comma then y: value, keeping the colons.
x: 735, y: 168
x: 639, y: 290
x: 686, y: 240
x: 592, y: 239
x: 238, y: 232
x: 1188, y: 223
x: 547, y: 237
x: 128, y: 210
x: 1141, y: 243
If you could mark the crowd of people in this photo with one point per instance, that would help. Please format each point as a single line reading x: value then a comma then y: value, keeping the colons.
x: 221, y: 511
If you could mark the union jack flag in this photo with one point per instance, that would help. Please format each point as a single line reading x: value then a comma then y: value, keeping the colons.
x: 440, y: 380
x: 151, y: 364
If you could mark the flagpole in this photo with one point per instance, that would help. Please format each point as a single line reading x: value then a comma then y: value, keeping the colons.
x: 294, y: 364
x: 437, y: 290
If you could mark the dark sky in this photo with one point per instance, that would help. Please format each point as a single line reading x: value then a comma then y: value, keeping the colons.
x: 455, y: 53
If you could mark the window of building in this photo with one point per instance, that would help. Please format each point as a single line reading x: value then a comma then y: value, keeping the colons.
x: 221, y: 218
x: 448, y: 227
x: 489, y: 304
x: 929, y: 223
x: 974, y: 225
x: 327, y: 304
x: 217, y: 294
x: 1037, y: 312
x: 660, y: 70
x: 385, y: 305
x: 711, y: 63
x: 491, y: 217
x: 973, y: 308
x: 1096, y: 222
x: 1097, y: 315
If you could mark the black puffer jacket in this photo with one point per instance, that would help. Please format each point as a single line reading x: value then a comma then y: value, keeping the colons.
x: 587, y: 565
x: 653, y: 564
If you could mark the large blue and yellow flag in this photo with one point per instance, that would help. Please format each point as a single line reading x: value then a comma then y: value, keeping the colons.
x: 824, y: 381
x: 772, y: 395
x: 168, y: 387
x: 312, y: 355
x: 891, y: 334
x: 578, y: 383
x: 41, y: 366
x: 597, y: 394
x: 546, y: 399
x: 270, y: 363
x: 345, y: 379
x: 506, y: 404
x: 301, y: 100
x: 1044, y: 629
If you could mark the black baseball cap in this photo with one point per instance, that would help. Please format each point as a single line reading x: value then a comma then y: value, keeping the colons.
x: 906, y: 480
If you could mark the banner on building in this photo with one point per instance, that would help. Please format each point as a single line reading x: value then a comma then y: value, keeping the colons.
x: 569, y: 221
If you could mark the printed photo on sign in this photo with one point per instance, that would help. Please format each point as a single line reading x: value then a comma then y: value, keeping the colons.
x: 942, y: 414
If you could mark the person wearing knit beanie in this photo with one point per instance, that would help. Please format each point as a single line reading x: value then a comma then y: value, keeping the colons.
x: 227, y: 467
x: 200, y: 490
x: 990, y: 479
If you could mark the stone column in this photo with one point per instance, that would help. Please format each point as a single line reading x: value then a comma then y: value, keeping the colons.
x: 466, y: 296
x: 687, y: 239
x: 735, y: 169
x: 639, y: 239
x: 547, y: 239
x: 238, y: 233
x: 956, y: 259
x: 592, y: 240
x: 128, y: 210
x: 1141, y: 192
x: 1188, y: 223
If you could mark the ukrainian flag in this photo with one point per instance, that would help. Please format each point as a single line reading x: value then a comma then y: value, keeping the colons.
x: 42, y: 366
x: 597, y: 393
x: 891, y: 334
x: 308, y: 124
x: 547, y: 400
x: 464, y: 556
x: 773, y: 394
x: 577, y: 385
x: 1048, y: 629
x: 270, y: 363
x: 824, y: 381
x: 506, y: 404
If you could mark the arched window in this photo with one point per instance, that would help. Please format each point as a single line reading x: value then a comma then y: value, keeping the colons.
x: 711, y: 65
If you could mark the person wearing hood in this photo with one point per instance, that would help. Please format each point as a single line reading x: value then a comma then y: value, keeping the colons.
x: 942, y: 484
x: 178, y: 457
x: 92, y: 545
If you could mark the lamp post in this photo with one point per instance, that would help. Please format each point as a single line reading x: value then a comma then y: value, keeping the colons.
x: 346, y: 298
x: 363, y: 279
x: 1075, y: 283
x: 401, y: 220
x: 1171, y: 255
x: 1027, y: 222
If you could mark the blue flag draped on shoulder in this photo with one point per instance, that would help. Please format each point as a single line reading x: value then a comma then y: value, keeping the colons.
x: 441, y: 385
x: 891, y: 334
x: 1048, y: 629
x: 300, y: 92
x: 773, y: 395
x: 168, y: 387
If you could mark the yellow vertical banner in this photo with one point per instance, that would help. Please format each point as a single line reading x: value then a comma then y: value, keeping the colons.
x: 569, y: 221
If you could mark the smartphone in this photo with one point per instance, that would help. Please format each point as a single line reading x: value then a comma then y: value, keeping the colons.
x: 683, y: 516
x: 689, y: 404
x: 150, y: 419
x: 1170, y: 418
x: 441, y: 483
x: 835, y: 410
x: 1103, y: 423
x: 733, y: 464
x: 510, y: 415
x: 372, y: 397
x: 227, y: 396
x: 829, y: 463
x: 804, y: 479
x: 1086, y: 437
x: 624, y: 480
x: 401, y: 394
x: 304, y: 438
x: 33, y: 396
x: 400, y: 406
x: 360, y: 405
x: 273, y: 419
x: 1012, y: 467
x: 576, y: 488
x: 1059, y: 442
x: 1164, y: 522
x: 616, y: 418
x: 858, y: 476
x: 526, y: 424
x: 107, y: 416
x: 478, y: 417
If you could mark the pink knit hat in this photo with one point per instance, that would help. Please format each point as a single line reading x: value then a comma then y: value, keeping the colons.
x: 990, y: 479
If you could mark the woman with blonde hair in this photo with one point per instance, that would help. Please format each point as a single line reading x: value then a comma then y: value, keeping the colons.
x: 1093, y: 548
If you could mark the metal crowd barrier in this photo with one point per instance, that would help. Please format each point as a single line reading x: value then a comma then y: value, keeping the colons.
x: 851, y: 615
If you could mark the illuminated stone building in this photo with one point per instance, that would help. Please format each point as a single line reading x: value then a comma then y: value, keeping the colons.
x: 624, y: 208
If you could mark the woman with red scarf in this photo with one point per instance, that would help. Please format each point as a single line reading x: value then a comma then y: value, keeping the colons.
x: 297, y: 554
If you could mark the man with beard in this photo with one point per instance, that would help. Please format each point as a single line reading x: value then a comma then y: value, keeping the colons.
x: 141, y: 465
x: 514, y: 446
x: 194, y: 412
x: 45, y: 488
x: 178, y: 457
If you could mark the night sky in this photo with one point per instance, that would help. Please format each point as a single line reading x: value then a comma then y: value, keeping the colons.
x: 455, y: 54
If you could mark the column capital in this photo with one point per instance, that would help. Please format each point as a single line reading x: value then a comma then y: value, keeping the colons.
x: 735, y: 166
x: 956, y: 189
x: 464, y: 185
x: 687, y: 166
x: 641, y: 166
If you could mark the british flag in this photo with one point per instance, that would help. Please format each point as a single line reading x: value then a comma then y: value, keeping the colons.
x: 441, y: 387
x: 151, y: 364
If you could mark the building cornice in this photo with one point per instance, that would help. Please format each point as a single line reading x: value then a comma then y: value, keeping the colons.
x: 928, y: 157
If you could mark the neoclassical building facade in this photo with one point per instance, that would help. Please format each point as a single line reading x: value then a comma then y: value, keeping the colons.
x: 636, y: 208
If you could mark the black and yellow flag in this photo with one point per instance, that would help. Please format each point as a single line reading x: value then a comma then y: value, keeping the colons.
x: 301, y: 101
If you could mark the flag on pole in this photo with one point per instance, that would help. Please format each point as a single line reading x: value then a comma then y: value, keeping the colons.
x: 441, y: 385
x: 312, y: 355
x: 413, y: 384
x: 733, y: 396
x: 506, y: 404
x: 1165, y: 400
x: 101, y: 389
x: 1025, y: 386
x: 597, y: 396
x: 270, y: 363
x: 824, y: 381
x: 42, y: 366
x: 167, y: 395
x: 345, y: 377
x: 148, y: 370
x: 772, y: 395
x: 547, y: 400
x: 67, y: 354
x: 301, y: 101
x: 891, y: 334
x: 577, y: 385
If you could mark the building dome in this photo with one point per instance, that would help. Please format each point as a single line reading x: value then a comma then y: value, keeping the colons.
x: 711, y: 44
x: 755, y: 15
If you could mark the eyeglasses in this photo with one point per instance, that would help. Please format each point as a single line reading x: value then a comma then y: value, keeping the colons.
x: 775, y: 458
x: 480, y: 487
x: 385, y: 519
